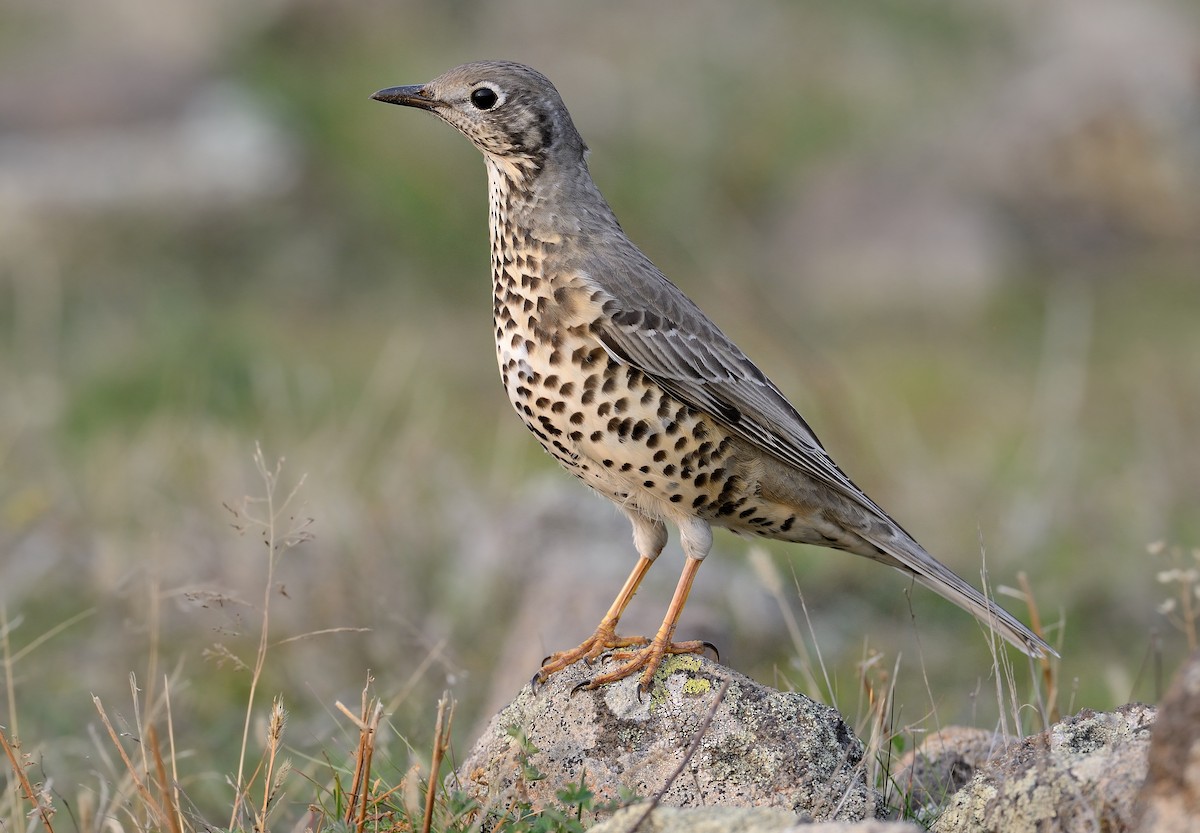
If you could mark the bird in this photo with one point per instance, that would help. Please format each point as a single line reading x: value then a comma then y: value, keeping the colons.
x: 636, y: 391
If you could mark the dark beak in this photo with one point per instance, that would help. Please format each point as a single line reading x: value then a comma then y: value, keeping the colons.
x: 412, y: 96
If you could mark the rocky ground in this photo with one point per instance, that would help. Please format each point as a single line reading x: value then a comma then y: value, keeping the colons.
x: 710, y: 749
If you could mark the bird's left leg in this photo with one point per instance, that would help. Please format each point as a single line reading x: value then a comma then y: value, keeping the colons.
x: 649, y: 537
x: 696, y: 537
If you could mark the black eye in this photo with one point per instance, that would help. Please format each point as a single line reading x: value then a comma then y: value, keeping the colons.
x: 484, y: 98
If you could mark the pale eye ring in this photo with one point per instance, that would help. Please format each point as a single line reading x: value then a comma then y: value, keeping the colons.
x: 484, y: 98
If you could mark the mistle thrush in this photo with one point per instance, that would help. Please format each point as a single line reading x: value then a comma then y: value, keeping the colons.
x: 632, y: 388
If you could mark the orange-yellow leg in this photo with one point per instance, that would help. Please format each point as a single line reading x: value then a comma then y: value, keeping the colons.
x: 648, y: 658
x: 605, y: 638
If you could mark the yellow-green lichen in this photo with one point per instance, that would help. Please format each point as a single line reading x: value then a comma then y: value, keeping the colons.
x: 678, y: 662
x: 688, y: 664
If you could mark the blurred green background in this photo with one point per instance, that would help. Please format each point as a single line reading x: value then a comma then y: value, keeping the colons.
x: 965, y: 238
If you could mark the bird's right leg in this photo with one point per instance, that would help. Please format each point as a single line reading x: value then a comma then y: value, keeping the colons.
x: 649, y: 536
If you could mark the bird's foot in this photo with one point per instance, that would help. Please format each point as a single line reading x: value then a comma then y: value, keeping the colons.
x: 646, y: 659
x: 605, y: 639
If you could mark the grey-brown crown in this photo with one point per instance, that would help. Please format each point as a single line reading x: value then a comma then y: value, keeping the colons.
x: 508, y: 110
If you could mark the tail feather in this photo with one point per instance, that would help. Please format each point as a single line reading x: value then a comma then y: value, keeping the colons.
x: 911, y: 557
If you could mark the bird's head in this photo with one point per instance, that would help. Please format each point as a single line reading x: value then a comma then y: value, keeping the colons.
x: 509, y: 111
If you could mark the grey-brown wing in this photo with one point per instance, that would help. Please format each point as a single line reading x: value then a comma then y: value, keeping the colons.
x: 666, y: 336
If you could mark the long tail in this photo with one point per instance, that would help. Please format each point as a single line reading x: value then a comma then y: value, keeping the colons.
x: 911, y: 557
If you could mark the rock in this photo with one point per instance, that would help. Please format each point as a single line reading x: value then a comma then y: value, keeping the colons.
x: 1170, y: 798
x: 763, y: 748
x: 698, y: 820
x: 927, y: 776
x: 736, y: 820
x: 1081, y: 775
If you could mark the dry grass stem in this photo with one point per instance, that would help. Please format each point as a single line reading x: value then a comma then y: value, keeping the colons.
x: 1048, y: 695
x: 367, y: 720
x: 1183, y: 609
x: 879, y: 688
x: 433, y: 655
x: 166, y: 786
x: 272, y: 779
x: 322, y: 632
x: 692, y: 749
x: 277, y: 541
x: 813, y: 634
x: 37, y: 799
x: 441, y: 742
x: 174, y: 801
x: 768, y: 575
x: 143, y: 791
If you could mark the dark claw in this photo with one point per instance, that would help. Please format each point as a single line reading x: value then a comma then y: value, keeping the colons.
x: 536, y: 682
x: 713, y: 648
x: 546, y: 660
x: 581, y: 687
x: 641, y: 690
